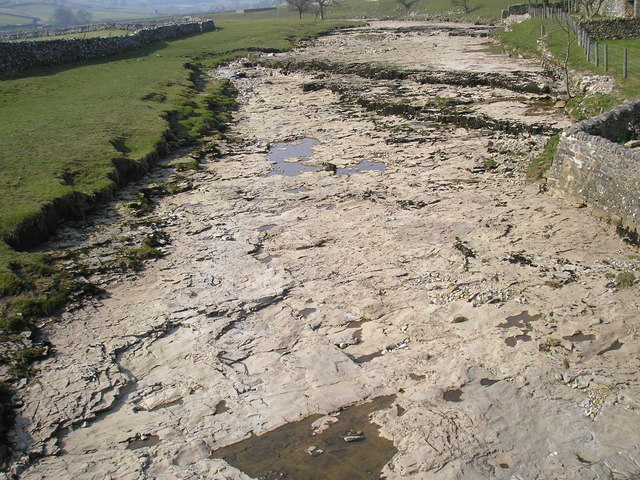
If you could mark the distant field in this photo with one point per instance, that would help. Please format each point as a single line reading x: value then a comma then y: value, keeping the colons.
x: 11, y: 20
x: 97, y: 33
x: 45, y: 12
x: 60, y: 127
x: 479, y: 10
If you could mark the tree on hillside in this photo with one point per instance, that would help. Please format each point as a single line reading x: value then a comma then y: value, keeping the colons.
x: 83, y: 16
x: 62, y: 16
x: 407, y: 4
x: 301, y: 6
x: 323, y: 5
x: 462, y: 3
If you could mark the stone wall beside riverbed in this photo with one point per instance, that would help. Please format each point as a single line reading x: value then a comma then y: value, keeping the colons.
x: 16, y: 57
x: 593, y: 168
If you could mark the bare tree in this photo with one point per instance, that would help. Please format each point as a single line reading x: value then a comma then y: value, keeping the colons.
x: 407, y: 4
x: 301, y: 6
x: 570, y: 39
x: 323, y: 5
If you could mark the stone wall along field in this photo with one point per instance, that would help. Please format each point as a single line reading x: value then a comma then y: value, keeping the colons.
x: 592, y: 168
x: 16, y: 57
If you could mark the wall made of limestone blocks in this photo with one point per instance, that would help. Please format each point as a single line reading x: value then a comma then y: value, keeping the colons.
x: 589, y: 168
x: 16, y: 57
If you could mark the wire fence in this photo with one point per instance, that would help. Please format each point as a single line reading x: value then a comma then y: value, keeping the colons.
x: 616, y: 57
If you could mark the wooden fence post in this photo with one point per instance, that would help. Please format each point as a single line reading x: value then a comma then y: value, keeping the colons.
x: 606, y: 57
x: 625, y: 64
x: 597, y: 59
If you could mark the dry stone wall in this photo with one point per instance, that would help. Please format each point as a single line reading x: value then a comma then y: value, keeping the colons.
x: 591, y: 167
x: 613, y: 28
x: 16, y: 57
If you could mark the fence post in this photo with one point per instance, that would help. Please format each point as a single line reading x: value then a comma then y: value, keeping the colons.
x: 541, y: 31
x: 606, y: 57
x: 595, y: 45
x: 588, y: 48
x: 624, y: 64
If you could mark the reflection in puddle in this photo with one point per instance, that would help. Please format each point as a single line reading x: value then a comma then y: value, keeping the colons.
x: 284, y: 453
x: 453, y: 395
x: 143, y: 441
x: 266, y: 228
x: 363, y: 166
x: 281, y: 152
x: 327, y: 206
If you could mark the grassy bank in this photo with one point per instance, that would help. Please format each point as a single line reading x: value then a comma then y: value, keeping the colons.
x: 61, y: 128
x: 523, y: 38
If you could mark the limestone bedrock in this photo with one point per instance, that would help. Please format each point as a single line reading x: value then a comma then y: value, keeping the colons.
x: 486, y: 306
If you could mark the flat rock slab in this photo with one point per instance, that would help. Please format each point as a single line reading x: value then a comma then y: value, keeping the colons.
x: 287, y: 296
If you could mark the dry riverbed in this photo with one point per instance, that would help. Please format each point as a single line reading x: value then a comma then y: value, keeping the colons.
x: 362, y: 284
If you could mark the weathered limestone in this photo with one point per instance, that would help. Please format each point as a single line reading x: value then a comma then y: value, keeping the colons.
x: 286, y: 296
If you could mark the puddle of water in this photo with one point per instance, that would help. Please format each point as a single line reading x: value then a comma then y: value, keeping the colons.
x: 282, y: 453
x: 368, y: 357
x: 453, y: 395
x: 579, y: 337
x: 266, y: 228
x: 413, y: 376
x: 148, y: 441
x: 522, y: 320
x: 281, y: 152
x: 487, y: 382
x: 363, y: 166
x: 298, y: 190
x: 305, y: 312
x: 221, y: 407
x: 513, y: 341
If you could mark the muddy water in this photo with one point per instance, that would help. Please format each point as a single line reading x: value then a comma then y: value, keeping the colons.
x: 294, y: 452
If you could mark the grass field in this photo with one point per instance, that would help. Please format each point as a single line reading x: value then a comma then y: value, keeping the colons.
x: 96, y: 33
x: 524, y: 36
x: 479, y: 10
x: 61, y: 127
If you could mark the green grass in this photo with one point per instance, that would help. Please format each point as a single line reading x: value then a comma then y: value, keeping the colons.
x: 539, y: 165
x: 61, y: 127
x: 96, y: 33
x: 523, y: 39
x: 480, y: 10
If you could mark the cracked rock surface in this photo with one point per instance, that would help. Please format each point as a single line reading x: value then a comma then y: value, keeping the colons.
x: 438, y: 275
